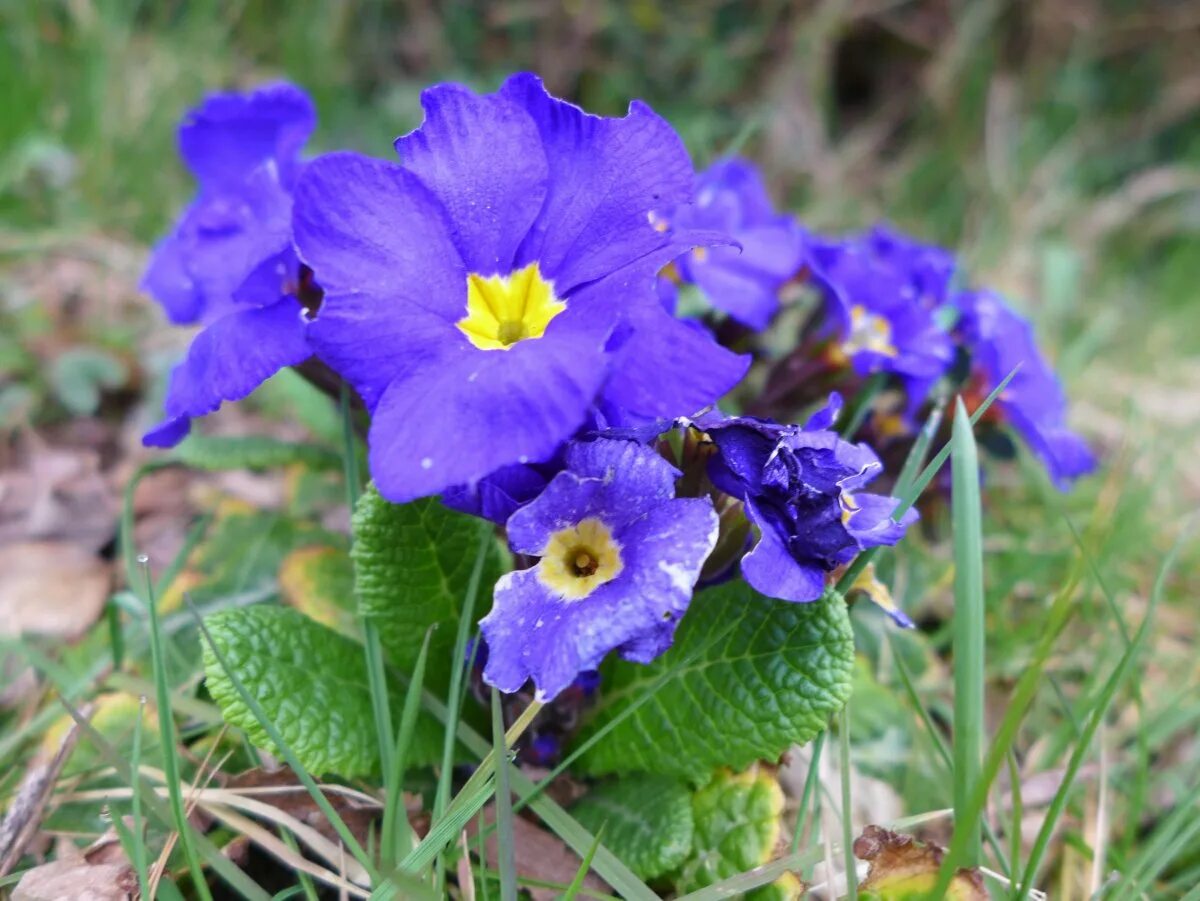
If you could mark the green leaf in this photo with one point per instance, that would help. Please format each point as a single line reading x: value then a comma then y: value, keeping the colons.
x: 777, y: 674
x: 412, y: 563
x: 647, y: 821
x: 738, y: 819
x: 223, y: 452
x: 311, y: 682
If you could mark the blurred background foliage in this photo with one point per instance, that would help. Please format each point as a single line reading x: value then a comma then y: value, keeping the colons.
x: 1055, y: 146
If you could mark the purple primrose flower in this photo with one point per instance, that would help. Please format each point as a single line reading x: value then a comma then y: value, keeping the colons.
x: 743, y: 281
x: 882, y: 290
x: 800, y: 487
x: 486, y: 292
x: 619, y: 557
x: 228, y: 264
x: 999, y: 341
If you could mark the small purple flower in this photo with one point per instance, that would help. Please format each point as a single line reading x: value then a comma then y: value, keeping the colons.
x: 620, y: 555
x: 999, y: 341
x: 800, y: 487
x: 882, y: 290
x: 485, y: 293
x: 228, y: 264
x: 743, y: 281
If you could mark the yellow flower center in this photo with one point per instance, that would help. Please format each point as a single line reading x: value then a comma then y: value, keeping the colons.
x: 579, y: 559
x: 505, y: 309
x: 869, y: 332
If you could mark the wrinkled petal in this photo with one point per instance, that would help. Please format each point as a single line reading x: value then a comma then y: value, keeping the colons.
x: 482, y: 157
x: 455, y: 423
x: 771, y: 569
x: 872, y: 525
x: 168, y: 433
x: 606, y: 177
x: 229, y: 135
x: 232, y: 357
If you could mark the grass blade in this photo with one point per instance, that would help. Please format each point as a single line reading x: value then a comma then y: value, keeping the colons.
x: 969, y: 625
x: 507, y: 861
x: 166, y: 724
x: 810, y: 784
x: 397, y: 837
x: 585, y: 865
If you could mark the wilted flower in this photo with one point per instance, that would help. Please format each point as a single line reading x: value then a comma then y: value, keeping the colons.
x: 482, y: 296
x: 882, y: 290
x: 228, y: 264
x: 744, y: 281
x: 1000, y: 341
x: 619, y: 557
x: 801, y: 491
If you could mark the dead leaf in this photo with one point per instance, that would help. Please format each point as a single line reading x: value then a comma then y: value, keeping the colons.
x: 101, y: 872
x: 540, y: 856
x: 902, y: 868
x: 50, y: 588
x: 55, y: 492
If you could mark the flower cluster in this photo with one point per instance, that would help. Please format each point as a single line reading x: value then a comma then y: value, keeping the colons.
x: 502, y: 300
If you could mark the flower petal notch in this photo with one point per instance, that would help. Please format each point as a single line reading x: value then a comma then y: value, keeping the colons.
x: 619, y: 556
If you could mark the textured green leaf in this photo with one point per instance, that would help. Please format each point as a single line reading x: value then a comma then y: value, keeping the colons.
x: 738, y: 818
x: 310, y: 680
x: 222, y: 452
x: 769, y: 675
x: 647, y: 821
x: 412, y: 563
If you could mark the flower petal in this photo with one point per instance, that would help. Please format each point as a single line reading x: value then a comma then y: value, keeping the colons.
x: 482, y: 157
x: 229, y: 135
x: 606, y: 177
x: 230, y: 358
x: 773, y: 571
x: 452, y: 424
x: 372, y: 228
x: 667, y: 367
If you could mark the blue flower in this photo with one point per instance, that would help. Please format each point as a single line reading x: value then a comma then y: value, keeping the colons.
x: 484, y: 294
x: 619, y: 557
x: 228, y: 264
x: 882, y: 291
x: 743, y: 281
x: 998, y: 341
x: 801, y: 490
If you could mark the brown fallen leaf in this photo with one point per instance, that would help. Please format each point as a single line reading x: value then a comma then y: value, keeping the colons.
x: 53, y: 588
x: 101, y: 872
x: 903, y: 868
x: 540, y: 855
x: 56, y: 493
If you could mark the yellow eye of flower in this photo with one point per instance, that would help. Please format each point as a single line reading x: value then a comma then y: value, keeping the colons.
x: 579, y: 559
x: 505, y: 309
x: 869, y: 332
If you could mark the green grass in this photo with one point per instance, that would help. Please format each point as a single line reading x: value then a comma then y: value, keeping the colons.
x: 1057, y: 156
